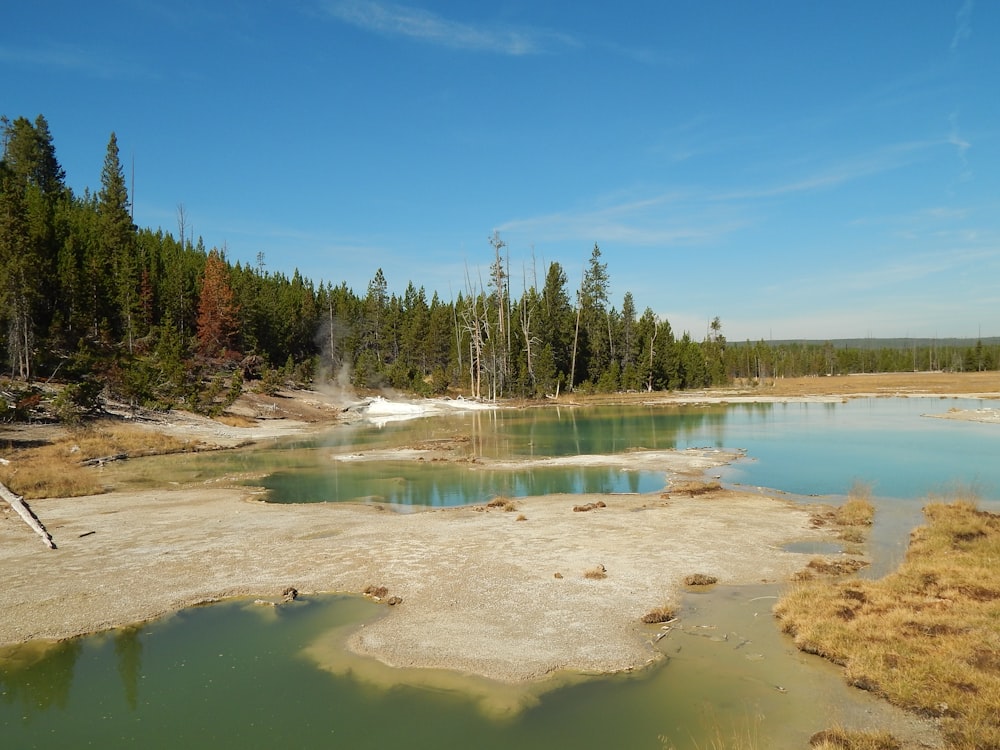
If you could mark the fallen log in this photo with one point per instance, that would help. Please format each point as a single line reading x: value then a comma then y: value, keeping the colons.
x: 17, y: 503
x: 104, y: 460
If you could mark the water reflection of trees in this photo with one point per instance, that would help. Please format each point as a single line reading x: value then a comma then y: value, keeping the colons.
x: 128, y: 649
x: 39, y: 675
x: 464, y: 486
x: 516, y: 434
x: 615, y: 429
x: 417, y: 484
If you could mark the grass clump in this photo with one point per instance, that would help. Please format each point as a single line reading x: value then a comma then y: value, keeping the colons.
x: 830, y: 567
x: 589, y: 506
x: 376, y: 592
x: 700, y: 579
x: 842, y: 739
x: 721, y: 734
x: 693, y: 488
x: 858, y: 509
x: 504, y: 503
x: 658, y: 614
x: 924, y: 637
x: 596, y: 573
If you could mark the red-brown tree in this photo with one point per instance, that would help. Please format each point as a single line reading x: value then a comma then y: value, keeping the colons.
x: 217, y: 309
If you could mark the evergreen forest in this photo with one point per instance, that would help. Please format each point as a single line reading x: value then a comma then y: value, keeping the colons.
x: 109, y: 310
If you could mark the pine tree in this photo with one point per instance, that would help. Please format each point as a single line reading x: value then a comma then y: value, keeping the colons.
x: 374, y: 312
x: 556, y: 319
x: 32, y: 187
x: 17, y: 285
x: 117, y: 244
x: 595, y: 316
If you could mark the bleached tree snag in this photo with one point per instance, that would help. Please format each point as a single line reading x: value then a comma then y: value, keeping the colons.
x: 104, y: 460
x: 17, y: 503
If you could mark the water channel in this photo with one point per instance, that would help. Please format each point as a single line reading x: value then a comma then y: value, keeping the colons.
x: 235, y: 675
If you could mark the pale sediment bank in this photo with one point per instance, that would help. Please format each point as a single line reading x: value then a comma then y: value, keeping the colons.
x: 486, y: 592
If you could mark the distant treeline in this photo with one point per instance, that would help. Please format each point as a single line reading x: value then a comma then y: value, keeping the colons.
x: 852, y: 356
x: 91, y: 301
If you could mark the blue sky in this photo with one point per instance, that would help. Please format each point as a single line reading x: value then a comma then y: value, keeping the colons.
x: 799, y: 169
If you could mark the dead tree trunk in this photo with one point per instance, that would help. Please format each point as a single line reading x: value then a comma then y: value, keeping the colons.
x: 17, y: 503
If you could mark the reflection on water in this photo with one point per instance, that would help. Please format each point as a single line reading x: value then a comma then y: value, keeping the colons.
x: 37, y: 676
x: 817, y: 449
x: 413, y: 484
x: 814, y: 548
x: 238, y: 675
x: 128, y: 653
x: 799, y: 448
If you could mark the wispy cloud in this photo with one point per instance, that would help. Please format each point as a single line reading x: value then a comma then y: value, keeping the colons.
x: 844, y: 171
x: 685, y: 218
x: 666, y: 219
x: 920, y: 219
x: 390, y: 19
x: 900, y: 271
x: 963, y: 24
x: 961, y: 144
x: 697, y: 137
x: 70, y: 58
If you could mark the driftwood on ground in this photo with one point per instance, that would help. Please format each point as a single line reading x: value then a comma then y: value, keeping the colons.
x: 17, y: 503
x: 104, y: 460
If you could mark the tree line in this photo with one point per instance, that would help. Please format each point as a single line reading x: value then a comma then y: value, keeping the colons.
x: 155, y: 319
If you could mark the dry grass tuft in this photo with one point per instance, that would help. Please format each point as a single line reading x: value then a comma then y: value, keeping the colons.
x: 924, y: 637
x: 376, y: 592
x: 722, y: 734
x: 661, y: 613
x: 858, y: 509
x: 827, y: 567
x: 842, y: 739
x: 700, y: 579
x: 692, y: 488
x: 596, y: 573
x: 521, y: 517
x: 505, y: 503
x: 589, y: 506
x: 854, y: 534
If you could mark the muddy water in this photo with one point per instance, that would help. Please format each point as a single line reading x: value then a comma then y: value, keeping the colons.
x: 236, y: 675
x: 239, y: 675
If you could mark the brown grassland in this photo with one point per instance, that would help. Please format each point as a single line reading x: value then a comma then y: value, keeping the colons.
x: 58, y: 468
x: 887, y: 384
x: 986, y: 384
x: 925, y: 637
